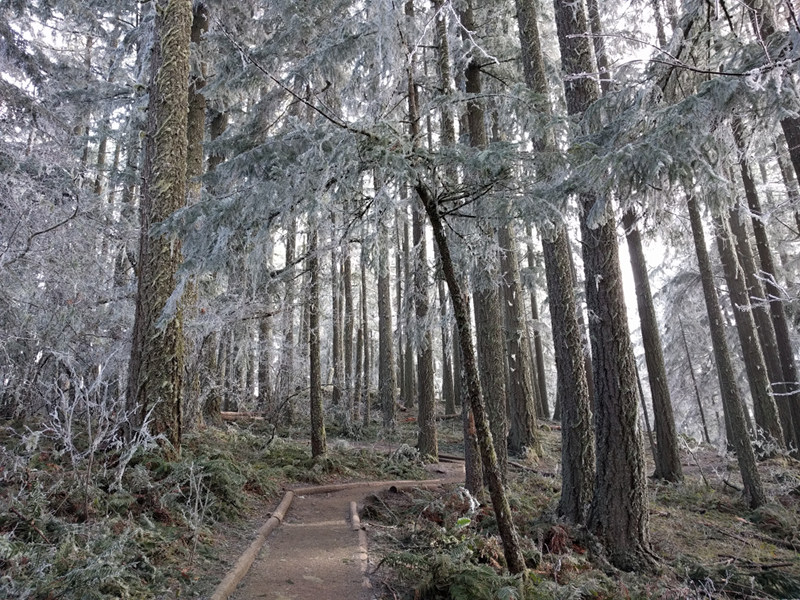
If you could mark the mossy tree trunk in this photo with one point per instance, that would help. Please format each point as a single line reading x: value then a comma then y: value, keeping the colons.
x: 486, y: 298
x: 387, y: 382
x: 491, y: 467
x: 538, y: 349
x: 212, y: 368
x: 572, y: 387
x: 448, y: 394
x: 157, y: 352
x: 196, y: 126
x: 522, y: 394
x: 285, y: 379
x: 366, y: 379
x: 618, y: 514
x: 336, y: 319
x: 348, y: 328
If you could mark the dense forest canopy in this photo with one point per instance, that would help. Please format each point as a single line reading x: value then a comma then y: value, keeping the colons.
x: 323, y: 212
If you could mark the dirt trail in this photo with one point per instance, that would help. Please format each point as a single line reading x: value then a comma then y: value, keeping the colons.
x: 314, y: 554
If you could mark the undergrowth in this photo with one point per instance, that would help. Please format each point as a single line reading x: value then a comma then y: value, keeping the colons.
x: 97, y: 523
x: 445, y: 545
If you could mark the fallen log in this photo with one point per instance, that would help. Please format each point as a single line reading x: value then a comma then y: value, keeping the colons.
x: 239, y: 416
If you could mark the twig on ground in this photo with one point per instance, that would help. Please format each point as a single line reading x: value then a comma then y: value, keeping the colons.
x: 32, y: 524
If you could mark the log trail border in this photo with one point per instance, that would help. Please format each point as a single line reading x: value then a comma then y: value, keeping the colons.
x: 228, y: 585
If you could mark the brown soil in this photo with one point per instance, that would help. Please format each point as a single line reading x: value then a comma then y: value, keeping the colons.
x: 314, y: 554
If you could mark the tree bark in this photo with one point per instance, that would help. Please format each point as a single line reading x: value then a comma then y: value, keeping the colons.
x: 365, y: 340
x: 491, y: 468
x: 401, y: 331
x: 573, y: 397
x: 284, y: 385
x: 765, y: 409
x: 538, y: 350
x: 667, y: 458
x: 336, y: 321
x: 521, y: 393
x: 318, y: 438
x: 195, y: 133
x: 387, y: 383
x: 486, y: 300
x: 349, y: 326
x: 731, y: 398
x: 157, y: 353
x: 426, y: 420
x: 572, y: 389
x: 618, y: 514
x: 212, y: 379
x: 448, y: 394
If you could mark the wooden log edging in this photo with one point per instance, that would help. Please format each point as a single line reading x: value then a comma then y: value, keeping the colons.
x: 338, y: 487
x: 363, y: 556
x: 242, y: 566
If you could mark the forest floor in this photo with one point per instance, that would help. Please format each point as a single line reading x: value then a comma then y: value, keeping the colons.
x: 316, y: 553
x: 442, y: 544
x: 78, y: 526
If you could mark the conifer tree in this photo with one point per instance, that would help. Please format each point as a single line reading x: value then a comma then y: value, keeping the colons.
x: 618, y: 514
x: 731, y: 398
x: 156, y: 364
x: 572, y: 391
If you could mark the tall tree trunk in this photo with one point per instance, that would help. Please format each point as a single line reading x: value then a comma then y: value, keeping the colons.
x: 213, y: 378
x: 365, y: 340
x: 285, y: 380
x: 486, y: 300
x: 402, y: 330
x: 731, y: 398
x: 266, y: 401
x: 318, y: 438
x: 694, y: 384
x: 349, y: 325
x: 472, y: 461
x: 491, y: 467
x: 572, y: 387
x: 427, y: 442
x: 765, y: 409
x: 577, y: 439
x: 538, y: 351
x: 358, y: 376
x: 448, y: 394
x: 336, y: 321
x: 667, y: 458
x: 618, y: 514
x: 156, y: 363
x: 409, y: 383
x: 387, y: 384
x: 196, y: 126
x: 522, y: 395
